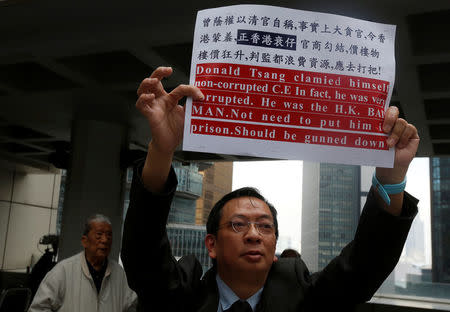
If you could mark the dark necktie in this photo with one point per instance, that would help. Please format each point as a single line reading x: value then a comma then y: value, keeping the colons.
x: 240, y: 306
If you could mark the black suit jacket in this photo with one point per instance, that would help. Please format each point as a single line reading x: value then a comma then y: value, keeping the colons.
x: 164, y: 284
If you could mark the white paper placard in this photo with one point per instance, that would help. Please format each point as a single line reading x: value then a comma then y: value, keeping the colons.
x: 290, y: 84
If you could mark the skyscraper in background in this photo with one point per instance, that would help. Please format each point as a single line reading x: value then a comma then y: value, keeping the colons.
x: 217, y: 181
x: 189, y: 239
x: 189, y: 189
x: 200, y: 185
x: 330, y: 210
x: 184, y: 236
x: 440, y: 218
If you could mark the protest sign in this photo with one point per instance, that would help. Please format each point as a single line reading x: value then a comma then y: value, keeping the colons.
x: 290, y: 84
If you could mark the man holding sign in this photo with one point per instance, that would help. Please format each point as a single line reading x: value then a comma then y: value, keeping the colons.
x: 242, y: 231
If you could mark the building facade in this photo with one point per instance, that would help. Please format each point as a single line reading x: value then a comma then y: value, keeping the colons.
x: 200, y: 185
x: 440, y: 218
x: 217, y: 181
x: 189, y: 239
x: 189, y: 189
x: 330, y: 210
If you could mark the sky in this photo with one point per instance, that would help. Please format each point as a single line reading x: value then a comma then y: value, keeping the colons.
x: 281, y: 183
x: 418, y: 185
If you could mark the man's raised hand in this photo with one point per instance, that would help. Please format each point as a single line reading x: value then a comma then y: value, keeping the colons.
x: 161, y: 109
x: 404, y: 137
x: 166, y: 120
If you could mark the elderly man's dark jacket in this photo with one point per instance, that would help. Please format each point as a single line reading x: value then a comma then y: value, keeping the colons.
x: 164, y: 284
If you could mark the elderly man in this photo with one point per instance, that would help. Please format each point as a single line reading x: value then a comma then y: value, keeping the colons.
x: 88, y: 281
x: 242, y: 231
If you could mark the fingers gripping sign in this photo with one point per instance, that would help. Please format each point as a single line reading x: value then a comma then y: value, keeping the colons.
x: 404, y: 137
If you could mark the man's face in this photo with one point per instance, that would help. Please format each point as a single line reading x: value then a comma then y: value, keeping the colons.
x: 244, y: 252
x: 97, y: 243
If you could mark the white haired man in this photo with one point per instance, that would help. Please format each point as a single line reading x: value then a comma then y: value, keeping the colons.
x: 87, y: 281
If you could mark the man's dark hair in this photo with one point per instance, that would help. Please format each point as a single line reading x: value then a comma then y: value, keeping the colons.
x: 212, y: 225
x: 290, y: 253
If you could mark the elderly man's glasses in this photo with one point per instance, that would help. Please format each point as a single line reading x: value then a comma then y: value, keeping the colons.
x: 239, y: 226
x: 100, y: 235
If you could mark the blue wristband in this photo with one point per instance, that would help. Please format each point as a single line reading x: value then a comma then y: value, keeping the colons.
x: 385, y: 189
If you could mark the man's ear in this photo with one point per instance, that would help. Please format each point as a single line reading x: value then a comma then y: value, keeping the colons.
x: 210, y: 242
x: 84, y: 241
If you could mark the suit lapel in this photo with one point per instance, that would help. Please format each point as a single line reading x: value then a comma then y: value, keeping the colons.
x: 209, y: 292
x: 264, y: 302
x: 210, y: 304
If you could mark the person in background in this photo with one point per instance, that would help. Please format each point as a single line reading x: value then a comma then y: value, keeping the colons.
x: 290, y: 253
x: 87, y: 281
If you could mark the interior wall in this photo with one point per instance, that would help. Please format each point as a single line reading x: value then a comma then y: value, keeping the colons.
x: 28, y: 210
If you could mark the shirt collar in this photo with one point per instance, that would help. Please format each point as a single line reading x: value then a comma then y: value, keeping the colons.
x: 227, y: 296
x: 92, y: 269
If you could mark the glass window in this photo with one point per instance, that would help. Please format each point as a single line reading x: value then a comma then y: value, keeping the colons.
x: 424, y: 266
